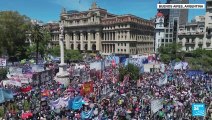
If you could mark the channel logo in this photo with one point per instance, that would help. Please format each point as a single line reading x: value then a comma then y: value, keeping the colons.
x: 198, y: 109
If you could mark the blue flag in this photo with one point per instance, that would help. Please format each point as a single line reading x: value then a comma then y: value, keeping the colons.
x: 87, y: 114
x: 75, y: 103
x: 8, y: 94
x: 1, y: 96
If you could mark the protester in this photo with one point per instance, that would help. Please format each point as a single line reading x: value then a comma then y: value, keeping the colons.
x: 99, y: 95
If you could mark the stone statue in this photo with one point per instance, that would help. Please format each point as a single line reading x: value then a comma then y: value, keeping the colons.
x: 61, y: 29
x: 63, y: 10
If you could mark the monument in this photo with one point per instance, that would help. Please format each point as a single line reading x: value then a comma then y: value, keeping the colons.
x: 62, y: 76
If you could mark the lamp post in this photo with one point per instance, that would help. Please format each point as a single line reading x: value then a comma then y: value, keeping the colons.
x: 62, y: 76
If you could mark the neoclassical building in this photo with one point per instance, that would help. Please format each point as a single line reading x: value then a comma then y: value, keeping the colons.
x: 100, y: 31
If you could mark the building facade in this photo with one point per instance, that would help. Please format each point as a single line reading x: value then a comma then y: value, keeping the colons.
x: 173, y: 18
x: 191, y: 35
x: 159, y: 30
x: 53, y: 28
x: 197, y: 34
x: 208, y: 26
x: 100, y: 31
x: 181, y: 15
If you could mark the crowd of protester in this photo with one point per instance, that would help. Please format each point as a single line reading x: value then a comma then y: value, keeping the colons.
x: 115, y: 100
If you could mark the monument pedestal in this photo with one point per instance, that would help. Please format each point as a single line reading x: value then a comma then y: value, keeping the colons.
x: 63, y: 76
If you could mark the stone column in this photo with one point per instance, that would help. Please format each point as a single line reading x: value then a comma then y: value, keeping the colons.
x: 67, y: 40
x: 81, y: 41
x: 103, y: 36
x: 110, y: 35
x: 89, y: 41
x: 183, y: 44
x: 61, y: 42
x: 196, y: 43
x: 62, y: 76
x: 116, y: 35
x: 98, y: 40
x: 128, y: 35
x: 75, y: 41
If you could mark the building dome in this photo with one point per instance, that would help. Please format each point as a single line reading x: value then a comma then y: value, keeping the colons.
x: 159, y: 14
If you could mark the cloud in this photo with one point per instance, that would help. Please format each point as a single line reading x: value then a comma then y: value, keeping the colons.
x: 80, y: 5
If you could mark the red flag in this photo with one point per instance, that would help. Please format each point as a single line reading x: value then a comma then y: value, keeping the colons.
x: 86, y: 88
x: 27, y: 89
x: 45, y: 93
x: 113, y: 63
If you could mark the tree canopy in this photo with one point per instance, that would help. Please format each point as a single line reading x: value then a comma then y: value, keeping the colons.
x: 200, y: 59
x: 68, y: 54
x: 131, y: 70
x: 171, y: 52
x: 40, y: 38
x: 13, y: 29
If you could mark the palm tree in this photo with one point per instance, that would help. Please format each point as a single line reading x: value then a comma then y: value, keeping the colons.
x: 37, y: 37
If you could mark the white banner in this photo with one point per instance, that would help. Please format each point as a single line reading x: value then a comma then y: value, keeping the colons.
x: 156, y: 105
x: 163, y: 80
x: 11, y: 82
x: 3, y: 62
x: 96, y: 65
x: 162, y: 68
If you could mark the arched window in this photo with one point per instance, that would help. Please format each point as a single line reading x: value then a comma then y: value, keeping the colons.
x: 93, y: 47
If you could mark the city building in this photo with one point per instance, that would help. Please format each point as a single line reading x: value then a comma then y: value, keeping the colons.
x: 159, y: 30
x: 197, y: 34
x: 181, y: 15
x: 208, y: 26
x: 100, y: 31
x: 166, y: 13
x: 191, y: 35
x: 173, y: 18
x: 53, y: 28
x: 37, y: 22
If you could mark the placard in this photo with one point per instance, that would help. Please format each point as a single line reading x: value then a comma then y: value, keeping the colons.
x: 3, y: 62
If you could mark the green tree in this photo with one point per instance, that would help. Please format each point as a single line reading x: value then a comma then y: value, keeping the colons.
x: 171, y: 52
x: 13, y: 28
x: 200, y: 59
x: 73, y: 55
x: 55, y: 51
x: 68, y: 54
x: 3, y: 73
x: 37, y: 37
x: 166, y: 58
x: 131, y: 70
x: 44, y: 44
